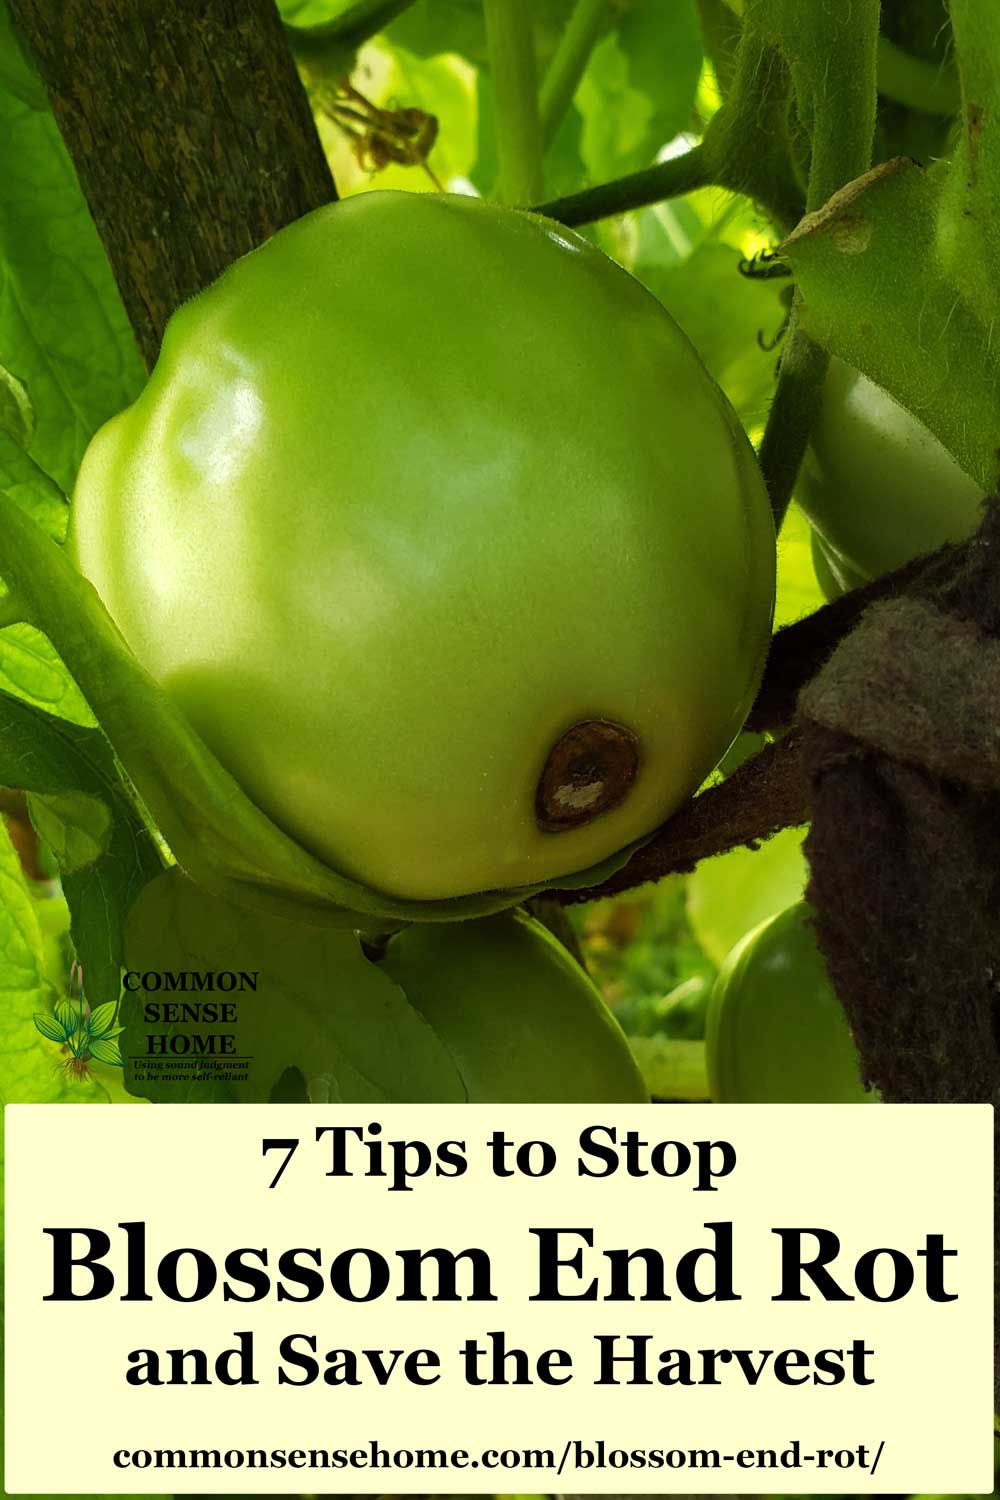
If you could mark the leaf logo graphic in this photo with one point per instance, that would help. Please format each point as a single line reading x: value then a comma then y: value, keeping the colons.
x: 89, y: 1035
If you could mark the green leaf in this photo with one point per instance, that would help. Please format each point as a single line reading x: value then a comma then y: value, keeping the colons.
x: 17, y: 74
x: 105, y: 1050
x: 66, y: 350
x: 21, y: 947
x: 320, y: 1006
x: 830, y: 51
x: 663, y: 53
x: 52, y: 758
x: 30, y: 1071
x: 76, y: 827
x: 932, y: 353
x: 563, y: 164
x: 99, y: 897
x: 434, y: 26
x: 617, y: 119
x: 67, y: 1014
x: 312, y: 12
x: 63, y: 331
x: 50, y: 1027
x: 101, y: 1021
x: 731, y: 893
x: 722, y: 313
x: 29, y: 666
x: 30, y: 487
x: 639, y: 88
x: 30, y: 669
x: 17, y: 415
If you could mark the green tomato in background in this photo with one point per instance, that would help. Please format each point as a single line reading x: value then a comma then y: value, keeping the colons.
x: 776, y: 1032
x: 517, y: 1013
x: 878, y: 486
x: 434, y: 525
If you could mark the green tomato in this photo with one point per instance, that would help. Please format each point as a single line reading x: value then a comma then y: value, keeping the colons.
x: 876, y: 484
x: 776, y: 1032
x: 517, y: 1013
x: 434, y: 525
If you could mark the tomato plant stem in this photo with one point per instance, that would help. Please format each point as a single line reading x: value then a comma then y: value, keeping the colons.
x: 668, y: 179
x: 830, y: 58
x: 748, y: 141
x: 796, y: 397
x: 930, y: 87
x: 518, y: 122
x: 836, y: 90
x: 570, y: 63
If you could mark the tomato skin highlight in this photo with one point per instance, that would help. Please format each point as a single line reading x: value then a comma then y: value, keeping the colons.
x: 413, y: 489
x: 776, y: 1032
x: 522, y: 1020
x: 877, y: 486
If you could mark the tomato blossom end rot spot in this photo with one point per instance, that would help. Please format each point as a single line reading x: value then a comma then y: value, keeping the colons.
x: 589, y: 771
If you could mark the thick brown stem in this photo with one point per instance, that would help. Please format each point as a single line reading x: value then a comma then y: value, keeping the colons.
x: 770, y: 791
x: 189, y: 130
x: 764, y: 794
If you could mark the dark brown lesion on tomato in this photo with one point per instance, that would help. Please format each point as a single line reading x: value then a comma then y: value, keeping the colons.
x: 589, y: 771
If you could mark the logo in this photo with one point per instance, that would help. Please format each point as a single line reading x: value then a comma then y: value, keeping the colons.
x: 89, y: 1035
x: 173, y: 1036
